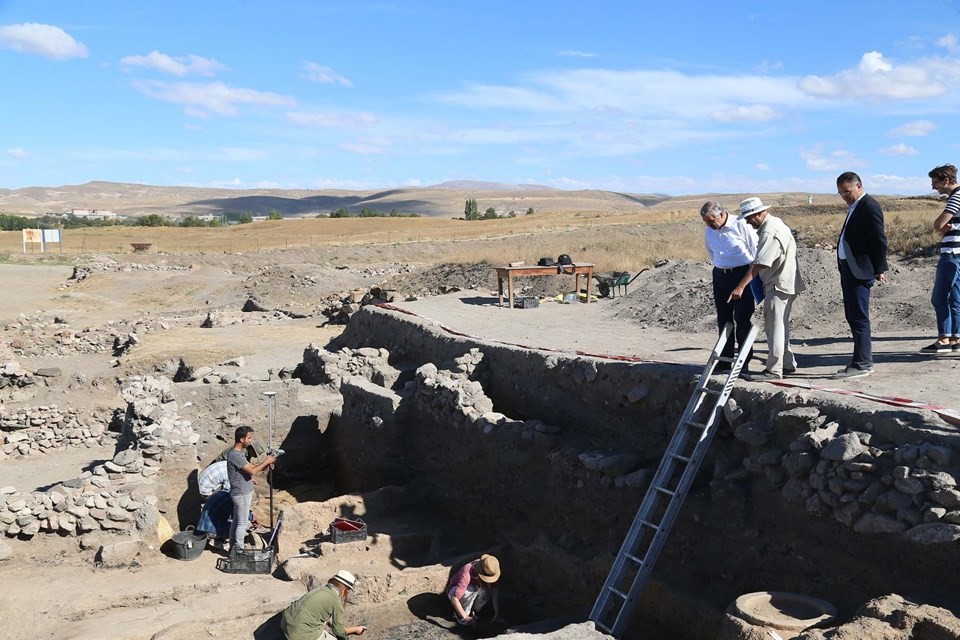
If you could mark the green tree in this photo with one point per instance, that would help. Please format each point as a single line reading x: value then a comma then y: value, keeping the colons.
x: 367, y: 213
x: 273, y: 214
x: 530, y: 211
x: 153, y: 220
x: 245, y: 218
x: 471, y: 211
x: 490, y: 214
x: 512, y: 214
x: 340, y: 213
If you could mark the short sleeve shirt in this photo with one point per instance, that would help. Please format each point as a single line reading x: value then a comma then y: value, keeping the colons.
x: 241, y: 482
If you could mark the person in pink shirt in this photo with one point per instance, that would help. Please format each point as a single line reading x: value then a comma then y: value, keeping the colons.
x: 472, y: 587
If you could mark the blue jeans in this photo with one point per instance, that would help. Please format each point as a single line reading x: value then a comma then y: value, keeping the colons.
x: 856, y: 309
x: 241, y: 519
x: 946, y: 295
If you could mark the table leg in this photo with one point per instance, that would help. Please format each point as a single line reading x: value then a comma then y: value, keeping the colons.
x: 589, y: 275
x: 500, y: 290
x: 510, y: 289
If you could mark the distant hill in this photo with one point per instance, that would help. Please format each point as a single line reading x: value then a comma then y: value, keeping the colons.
x: 443, y: 200
x: 481, y: 185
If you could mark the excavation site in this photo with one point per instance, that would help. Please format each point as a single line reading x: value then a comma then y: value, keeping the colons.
x: 425, y: 425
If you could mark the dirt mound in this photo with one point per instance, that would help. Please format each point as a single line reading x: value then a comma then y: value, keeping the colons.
x: 678, y: 296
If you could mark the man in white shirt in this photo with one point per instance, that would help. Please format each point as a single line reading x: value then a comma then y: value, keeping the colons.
x: 731, y: 245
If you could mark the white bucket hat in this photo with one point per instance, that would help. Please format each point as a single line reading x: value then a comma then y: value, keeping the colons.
x: 751, y: 207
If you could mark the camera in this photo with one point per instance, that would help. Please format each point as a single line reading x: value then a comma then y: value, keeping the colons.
x: 276, y: 453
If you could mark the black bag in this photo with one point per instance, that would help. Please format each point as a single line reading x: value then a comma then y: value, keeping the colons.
x: 545, y: 262
x: 564, y: 260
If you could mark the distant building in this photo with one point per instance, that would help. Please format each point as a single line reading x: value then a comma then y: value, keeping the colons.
x: 94, y: 214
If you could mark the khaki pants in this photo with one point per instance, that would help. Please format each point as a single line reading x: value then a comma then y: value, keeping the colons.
x: 776, y: 322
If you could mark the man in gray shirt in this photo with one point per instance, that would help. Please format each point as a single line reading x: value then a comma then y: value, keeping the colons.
x: 240, y: 472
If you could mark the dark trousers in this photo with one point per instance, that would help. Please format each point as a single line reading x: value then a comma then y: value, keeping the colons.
x: 739, y: 312
x: 856, y: 309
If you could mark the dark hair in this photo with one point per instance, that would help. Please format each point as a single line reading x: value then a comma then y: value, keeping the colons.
x: 849, y: 176
x: 946, y: 172
x: 241, y: 433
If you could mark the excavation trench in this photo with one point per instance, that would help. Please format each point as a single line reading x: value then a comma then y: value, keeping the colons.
x: 546, y: 457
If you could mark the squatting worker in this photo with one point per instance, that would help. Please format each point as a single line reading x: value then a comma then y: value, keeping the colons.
x: 731, y: 244
x: 862, y: 260
x: 318, y: 615
x: 946, y: 284
x: 776, y: 264
x: 472, y: 587
x: 240, y: 473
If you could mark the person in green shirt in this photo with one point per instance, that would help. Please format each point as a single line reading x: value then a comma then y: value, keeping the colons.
x: 320, y: 610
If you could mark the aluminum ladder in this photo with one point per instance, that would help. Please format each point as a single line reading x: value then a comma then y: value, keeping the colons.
x: 617, y: 600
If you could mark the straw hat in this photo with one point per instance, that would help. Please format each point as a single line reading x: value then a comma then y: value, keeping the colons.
x: 346, y: 578
x: 488, y: 568
x: 751, y: 207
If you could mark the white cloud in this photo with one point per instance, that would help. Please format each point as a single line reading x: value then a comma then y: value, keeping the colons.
x: 203, y: 99
x: 915, y: 129
x: 839, y: 160
x: 900, y: 149
x: 574, y: 53
x: 633, y: 93
x: 324, y: 75
x: 16, y: 152
x: 762, y: 166
x: 180, y: 66
x: 41, y: 39
x: 877, y: 78
x: 333, y: 119
x: 361, y: 148
x: 752, y: 113
x: 949, y: 42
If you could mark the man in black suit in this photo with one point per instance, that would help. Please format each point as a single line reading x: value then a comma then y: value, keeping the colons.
x: 862, y: 259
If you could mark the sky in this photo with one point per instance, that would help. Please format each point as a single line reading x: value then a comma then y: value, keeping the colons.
x: 668, y: 97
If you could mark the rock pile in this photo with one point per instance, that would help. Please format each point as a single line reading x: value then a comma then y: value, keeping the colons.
x: 112, y: 497
x: 44, y: 428
x: 339, y: 307
x: 856, y: 476
x: 152, y: 421
x: 41, y: 336
x: 320, y: 366
x: 103, y: 263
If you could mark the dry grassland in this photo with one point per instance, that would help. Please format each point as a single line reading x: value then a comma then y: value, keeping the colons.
x: 610, y: 240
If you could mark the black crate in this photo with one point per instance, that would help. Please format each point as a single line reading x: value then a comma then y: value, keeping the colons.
x: 345, y: 530
x: 248, y: 561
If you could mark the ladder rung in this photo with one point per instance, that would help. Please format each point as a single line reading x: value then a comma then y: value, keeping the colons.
x: 677, y: 456
x: 726, y: 359
x: 634, y: 558
x: 618, y: 592
x: 666, y: 491
x: 712, y: 392
x: 696, y: 425
x: 603, y: 627
x: 649, y: 524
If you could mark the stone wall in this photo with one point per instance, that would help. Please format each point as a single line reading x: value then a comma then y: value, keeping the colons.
x: 32, y: 430
x: 801, y: 490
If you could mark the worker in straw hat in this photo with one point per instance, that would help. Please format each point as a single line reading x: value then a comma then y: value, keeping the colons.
x: 472, y: 587
x: 319, y: 614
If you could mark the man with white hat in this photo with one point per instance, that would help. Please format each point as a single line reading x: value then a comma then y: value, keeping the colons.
x: 776, y: 265
x: 318, y: 615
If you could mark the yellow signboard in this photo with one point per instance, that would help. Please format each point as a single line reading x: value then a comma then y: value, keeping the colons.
x: 32, y: 235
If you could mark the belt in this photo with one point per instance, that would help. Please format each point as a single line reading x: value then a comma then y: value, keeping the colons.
x: 730, y: 270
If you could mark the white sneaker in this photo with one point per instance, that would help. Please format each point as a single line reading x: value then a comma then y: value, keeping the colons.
x: 851, y: 372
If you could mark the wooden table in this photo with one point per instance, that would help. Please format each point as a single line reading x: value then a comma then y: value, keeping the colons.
x: 509, y: 273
